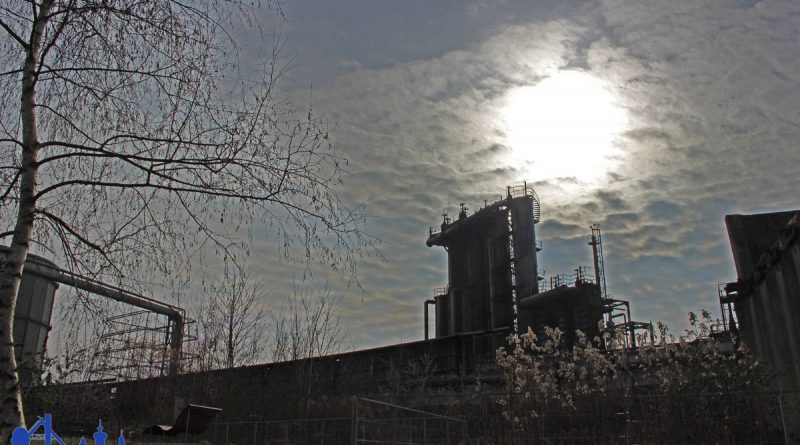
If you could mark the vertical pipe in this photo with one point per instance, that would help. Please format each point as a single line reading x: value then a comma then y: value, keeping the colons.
x: 175, y: 343
x: 427, y: 328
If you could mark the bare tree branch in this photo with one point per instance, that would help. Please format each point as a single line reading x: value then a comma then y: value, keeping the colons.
x: 12, y: 34
x: 133, y: 144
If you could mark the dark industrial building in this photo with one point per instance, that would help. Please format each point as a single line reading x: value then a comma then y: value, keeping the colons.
x: 763, y: 305
x: 495, y: 284
x: 491, y: 264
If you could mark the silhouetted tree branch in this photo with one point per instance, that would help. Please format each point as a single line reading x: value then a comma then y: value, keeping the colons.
x: 126, y: 126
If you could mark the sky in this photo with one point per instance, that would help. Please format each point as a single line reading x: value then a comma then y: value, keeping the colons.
x: 652, y: 119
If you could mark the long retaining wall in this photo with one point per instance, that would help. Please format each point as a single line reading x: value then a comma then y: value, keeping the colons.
x: 286, y: 390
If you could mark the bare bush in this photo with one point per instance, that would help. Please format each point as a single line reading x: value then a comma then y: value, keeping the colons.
x: 309, y: 325
x: 231, y: 322
x: 540, y: 373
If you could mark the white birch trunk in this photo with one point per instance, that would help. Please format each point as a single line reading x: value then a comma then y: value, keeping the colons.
x: 11, y: 414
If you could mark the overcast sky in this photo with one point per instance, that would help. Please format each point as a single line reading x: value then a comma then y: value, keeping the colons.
x: 651, y: 118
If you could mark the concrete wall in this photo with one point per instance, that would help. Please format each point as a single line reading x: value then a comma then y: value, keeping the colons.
x: 297, y: 389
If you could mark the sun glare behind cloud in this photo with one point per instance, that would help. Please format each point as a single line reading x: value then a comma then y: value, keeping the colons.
x: 563, y: 127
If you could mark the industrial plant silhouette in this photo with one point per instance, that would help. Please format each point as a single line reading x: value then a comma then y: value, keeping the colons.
x: 494, y: 289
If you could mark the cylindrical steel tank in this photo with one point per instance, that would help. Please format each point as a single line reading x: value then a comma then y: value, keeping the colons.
x: 32, y: 318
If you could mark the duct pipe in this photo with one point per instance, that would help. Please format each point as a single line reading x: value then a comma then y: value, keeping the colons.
x: 174, y: 314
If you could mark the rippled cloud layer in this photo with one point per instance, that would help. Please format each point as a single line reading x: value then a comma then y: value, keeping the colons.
x: 711, y: 123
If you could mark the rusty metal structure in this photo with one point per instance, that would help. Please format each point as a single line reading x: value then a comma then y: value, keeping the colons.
x: 616, y: 312
x: 139, y: 345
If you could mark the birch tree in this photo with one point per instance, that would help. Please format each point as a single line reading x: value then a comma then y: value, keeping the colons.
x: 129, y: 142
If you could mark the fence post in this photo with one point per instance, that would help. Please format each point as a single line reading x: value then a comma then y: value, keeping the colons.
x: 424, y: 429
x: 625, y: 410
x: 786, y: 439
x: 354, y: 425
x: 255, y: 433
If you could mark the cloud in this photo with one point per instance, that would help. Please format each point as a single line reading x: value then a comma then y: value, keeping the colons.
x: 710, y: 92
x: 475, y: 8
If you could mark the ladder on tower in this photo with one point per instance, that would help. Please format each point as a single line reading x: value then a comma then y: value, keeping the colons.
x: 596, y: 241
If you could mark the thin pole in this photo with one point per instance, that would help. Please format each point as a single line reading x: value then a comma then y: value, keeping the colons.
x: 354, y: 431
x: 424, y: 430
x: 786, y: 440
x: 186, y: 427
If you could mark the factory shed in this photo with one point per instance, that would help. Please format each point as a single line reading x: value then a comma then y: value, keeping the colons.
x: 766, y: 296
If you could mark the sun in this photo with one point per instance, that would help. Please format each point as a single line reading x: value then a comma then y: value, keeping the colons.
x: 563, y: 127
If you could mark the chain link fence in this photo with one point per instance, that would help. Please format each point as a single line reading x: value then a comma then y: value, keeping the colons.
x: 629, y: 418
x: 369, y: 422
x: 616, y: 418
x: 377, y: 422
